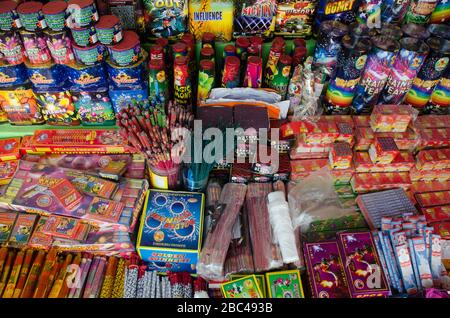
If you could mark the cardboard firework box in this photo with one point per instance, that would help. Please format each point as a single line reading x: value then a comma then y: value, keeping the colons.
x: 341, y: 155
x: 433, y: 121
x: 391, y: 118
x: 402, y: 163
x: 9, y: 149
x: 375, y: 181
x: 433, y: 159
x: 170, y: 234
x: 405, y: 141
x: 429, y: 175
x: 362, y: 266
x: 434, y: 138
x: 383, y: 150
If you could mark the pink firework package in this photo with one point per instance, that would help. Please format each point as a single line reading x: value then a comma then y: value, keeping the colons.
x: 362, y: 267
x: 325, y: 270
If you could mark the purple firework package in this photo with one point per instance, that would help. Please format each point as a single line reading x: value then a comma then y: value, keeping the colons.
x: 325, y: 270
x: 362, y: 266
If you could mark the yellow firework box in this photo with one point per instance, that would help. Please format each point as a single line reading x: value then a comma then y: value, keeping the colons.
x: 211, y: 16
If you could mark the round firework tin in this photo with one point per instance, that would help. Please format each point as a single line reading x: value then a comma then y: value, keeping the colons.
x: 328, y: 45
x: 83, y: 77
x: 57, y: 107
x: 89, y: 55
x: 46, y: 75
x: 205, y: 80
x: 420, y: 11
x: 158, y: 84
x: 230, y: 78
x: 407, y: 64
x: 31, y: 17
x: 131, y: 77
x: 35, y: 45
x: 9, y: 19
x: 393, y: 11
x: 55, y: 15
x: 81, y: 13
x: 441, y: 13
x: 375, y: 74
x: 11, y: 47
x: 84, y: 36
x: 429, y: 75
x: 440, y: 30
x: 60, y: 46
x: 253, y: 74
x: 182, y: 82
x: 414, y: 30
x: 12, y: 74
x: 109, y: 30
x: 440, y: 98
x: 94, y: 108
x: 341, y: 89
x: 128, y: 51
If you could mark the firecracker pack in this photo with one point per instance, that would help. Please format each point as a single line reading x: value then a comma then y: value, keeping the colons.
x: 9, y: 149
x: 433, y: 121
x: 402, y: 163
x: 301, y: 169
x: 340, y: 155
x: 434, y: 138
x: 431, y: 199
x: 383, y: 150
x: 391, y: 118
x: 364, y: 137
x: 301, y: 146
x: 437, y: 213
x: 433, y: 159
x: 7, y: 171
x: 429, y: 175
x: 435, y: 185
x: 376, y: 181
x: 361, y: 121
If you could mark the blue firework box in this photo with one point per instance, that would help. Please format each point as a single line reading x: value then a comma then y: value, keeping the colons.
x: 84, y: 78
x: 126, y: 77
x: 121, y: 98
x: 45, y: 76
x: 13, y: 75
x: 170, y: 234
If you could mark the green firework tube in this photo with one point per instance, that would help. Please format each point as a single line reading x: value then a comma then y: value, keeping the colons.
x: 158, y: 84
x: 280, y: 81
x: 205, y: 80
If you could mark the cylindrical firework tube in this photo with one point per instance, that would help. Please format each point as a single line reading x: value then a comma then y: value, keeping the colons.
x: 208, y: 40
x: 179, y: 49
x: 230, y: 78
x: 407, y: 64
x: 182, y: 82
x: 299, y: 55
x: 420, y: 11
x: 440, y: 98
x: 429, y: 75
x: 158, y: 84
x: 342, y: 86
x: 393, y: 11
x: 253, y: 74
x: 272, y: 60
x: 205, y: 80
x: 9, y: 19
x: 280, y: 81
x: 328, y: 45
x: 256, y: 43
x: 417, y: 31
x: 441, y: 13
x: 375, y: 74
x: 207, y: 53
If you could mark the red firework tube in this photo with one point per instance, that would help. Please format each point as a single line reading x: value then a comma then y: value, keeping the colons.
x: 242, y: 44
x: 298, y: 56
x: 256, y: 42
x: 163, y: 42
x: 156, y: 53
x: 253, y: 74
x: 229, y: 50
x: 279, y: 41
x: 299, y: 43
x: 189, y: 40
x: 230, y: 78
x: 179, y: 49
x: 207, y: 53
x: 182, y: 82
x: 253, y: 51
x: 208, y: 40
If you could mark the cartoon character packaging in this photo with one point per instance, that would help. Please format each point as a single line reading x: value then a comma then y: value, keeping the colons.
x: 294, y: 18
x: 285, y: 284
x: 168, y: 19
x: 245, y: 287
x: 21, y: 106
x: 170, y: 234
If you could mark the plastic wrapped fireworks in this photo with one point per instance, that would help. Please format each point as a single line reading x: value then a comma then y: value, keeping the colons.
x: 167, y: 21
x: 254, y: 17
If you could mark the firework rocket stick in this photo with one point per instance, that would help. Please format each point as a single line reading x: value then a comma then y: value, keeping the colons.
x: 42, y: 283
x: 23, y: 273
x: 53, y: 275
x: 57, y: 286
x: 3, y: 256
x: 33, y: 275
x: 84, y: 275
x: 90, y: 277
x: 98, y: 279
x: 65, y: 289
x: 6, y: 269
x: 14, y: 276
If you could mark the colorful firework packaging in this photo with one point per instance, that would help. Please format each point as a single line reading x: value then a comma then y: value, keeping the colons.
x: 94, y: 108
x: 170, y: 233
x: 11, y: 75
x: 84, y: 36
x: 83, y: 78
x: 11, y: 47
x: 128, y: 51
x: 205, y: 80
x: 60, y: 46
x: 9, y: 19
x: 124, y: 98
x: 430, y: 73
x: 158, y: 84
x: 55, y: 15
x: 31, y: 17
x: 255, y: 17
x: 350, y: 65
x: 338, y: 10
x: 375, y: 74
x: 440, y: 98
x: 21, y: 106
x: 122, y: 77
x: 46, y: 75
x: 81, y: 13
x: 280, y: 80
x: 390, y: 30
x: 89, y: 55
x: 109, y: 30
x: 295, y: 18
x: 272, y: 60
x: 36, y: 48
x: 253, y: 74
x: 231, y: 78
x: 369, y: 13
x: 57, y: 107
x: 393, y: 11
x: 441, y: 13
x: 168, y: 18
x: 420, y: 11
x: 207, y: 53
x: 328, y: 45
x: 417, y: 31
x: 182, y: 82
x: 407, y: 64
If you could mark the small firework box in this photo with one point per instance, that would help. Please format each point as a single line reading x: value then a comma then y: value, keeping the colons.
x: 64, y: 191
x: 354, y: 220
x: 7, y: 171
x: 23, y: 229
x: 321, y: 133
x: 433, y: 159
x: 78, y: 141
x: 343, y: 176
x: 340, y: 156
x: 431, y: 199
x: 435, y: 185
x: 9, y: 149
x: 437, y: 213
x: 383, y: 150
x: 338, y: 119
x: 365, y: 275
x: 301, y: 169
x: 325, y: 270
x: 434, y: 138
x: 433, y: 121
x: 364, y: 137
x: 283, y: 171
x: 391, y: 203
x: 376, y: 181
x: 442, y: 229
x: 361, y: 121
x: 170, y: 234
x: 391, y: 118
x: 403, y: 162
x: 301, y: 146
x: 308, y: 155
x: 325, y: 129
x: 284, y: 284
x: 429, y: 175
x: 407, y: 140
x: 284, y: 143
x: 345, y: 133
x: 7, y: 220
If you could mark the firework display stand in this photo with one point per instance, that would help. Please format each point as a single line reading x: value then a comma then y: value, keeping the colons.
x: 105, y: 174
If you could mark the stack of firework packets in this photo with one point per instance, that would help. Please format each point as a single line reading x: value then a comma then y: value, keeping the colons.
x: 411, y: 254
x: 432, y: 164
x: 9, y: 155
